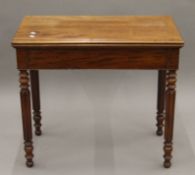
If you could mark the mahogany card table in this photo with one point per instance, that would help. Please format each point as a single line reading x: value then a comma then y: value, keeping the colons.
x: 97, y: 42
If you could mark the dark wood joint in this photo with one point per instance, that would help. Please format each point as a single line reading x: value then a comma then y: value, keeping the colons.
x: 22, y: 58
x: 173, y: 58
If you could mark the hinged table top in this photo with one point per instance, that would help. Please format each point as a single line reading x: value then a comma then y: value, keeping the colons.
x: 97, y: 30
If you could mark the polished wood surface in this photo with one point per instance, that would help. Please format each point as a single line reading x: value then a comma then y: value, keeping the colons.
x: 95, y: 42
x: 97, y: 30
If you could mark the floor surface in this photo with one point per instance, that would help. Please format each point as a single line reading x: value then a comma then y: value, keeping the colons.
x: 96, y: 124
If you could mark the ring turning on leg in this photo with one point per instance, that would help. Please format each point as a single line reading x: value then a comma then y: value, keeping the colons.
x: 169, y: 119
x: 26, y: 116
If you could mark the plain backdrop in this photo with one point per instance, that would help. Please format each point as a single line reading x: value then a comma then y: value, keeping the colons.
x: 102, y: 99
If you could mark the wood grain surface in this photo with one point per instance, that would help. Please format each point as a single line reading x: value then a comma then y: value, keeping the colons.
x: 97, y: 30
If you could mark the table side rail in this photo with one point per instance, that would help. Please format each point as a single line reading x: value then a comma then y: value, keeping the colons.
x: 98, y: 58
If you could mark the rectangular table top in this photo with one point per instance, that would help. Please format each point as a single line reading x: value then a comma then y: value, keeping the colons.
x: 97, y: 31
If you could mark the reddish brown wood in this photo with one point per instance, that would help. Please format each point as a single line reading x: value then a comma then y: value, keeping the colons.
x: 96, y: 30
x: 26, y: 116
x: 100, y: 42
x: 161, y: 101
x: 34, y: 74
x: 169, y: 119
x: 98, y: 58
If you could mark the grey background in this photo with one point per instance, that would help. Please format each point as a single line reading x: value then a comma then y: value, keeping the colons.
x: 101, y: 98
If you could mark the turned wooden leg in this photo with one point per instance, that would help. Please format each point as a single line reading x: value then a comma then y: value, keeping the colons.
x: 26, y: 116
x: 169, y: 119
x: 34, y: 74
x: 161, y: 101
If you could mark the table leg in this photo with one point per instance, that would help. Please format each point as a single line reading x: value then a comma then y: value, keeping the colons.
x: 169, y: 119
x: 161, y: 101
x: 34, y: 74
x: 26, y: 116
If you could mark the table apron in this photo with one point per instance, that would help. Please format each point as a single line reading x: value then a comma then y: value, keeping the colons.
x: 97, y: 58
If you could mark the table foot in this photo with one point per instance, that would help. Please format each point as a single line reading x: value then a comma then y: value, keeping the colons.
x: 167, y: 157
x: 29, y: 154
x: 159, y: 132
x: 37, y: 120
x: 160, y: 124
